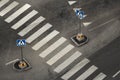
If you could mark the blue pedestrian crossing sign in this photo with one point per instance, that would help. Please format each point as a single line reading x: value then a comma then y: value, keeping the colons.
x: 79, y: 13
x: 20, y: 42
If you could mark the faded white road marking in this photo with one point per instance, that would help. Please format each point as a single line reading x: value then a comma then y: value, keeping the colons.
x: 12, y: 61
x: 116, y: 74
x: 86, y: 23
x: 72, y: 2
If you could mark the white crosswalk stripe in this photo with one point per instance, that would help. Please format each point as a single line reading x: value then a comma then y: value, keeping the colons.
x: 75, y: 69
x: 52, y: 47
x: 38, y: 33
x: 31, y: 26
x: 67, y: 62
x: 100, y: 76
x: 17, y: 13
x: 9, y: 8
x: 24, y: 19
x: 3, y: 2
x: 45, y: 40
x: 60, y: 54
x: 87, y: 73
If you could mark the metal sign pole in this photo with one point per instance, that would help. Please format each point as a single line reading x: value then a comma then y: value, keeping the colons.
x: 80, y: 15
x: 80, y: 38
x: 79, y: 23
x: 21, y: 53
x: 22, y: 64
x: 79, y: 26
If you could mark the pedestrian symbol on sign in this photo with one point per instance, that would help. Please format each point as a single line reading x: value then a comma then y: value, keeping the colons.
x: 20, y: 42
x: 79, y: 13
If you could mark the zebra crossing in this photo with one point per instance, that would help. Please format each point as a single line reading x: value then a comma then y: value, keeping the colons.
x: 76, y: 68
x: 9, y: 8
x: 54, y: 46
x: 38, y: 33
x: 3, y: 2
x: 87, y: 73
x: 100, y: 76
x: 60, y: 54
x: 45, y: 40
x: 67, y: 62
x: 31, y: 26
x: 17, y: 13
x: 24, y: 19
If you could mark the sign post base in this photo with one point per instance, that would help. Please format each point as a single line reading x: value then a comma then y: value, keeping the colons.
x: 22, y: 65
x: 79, y: 39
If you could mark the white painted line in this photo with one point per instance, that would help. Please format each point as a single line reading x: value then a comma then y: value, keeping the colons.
x: 38, y: 33
x: 102, y: 24
x: 116, y: 74
x: 75, y: 69
x: 60, y: 54
x: 45, y: 40
x: 3, y: 2
x: 12, y: 62
x: 24, y: 19
x: 84, y: 16
x: 17, y: 13
x: 9, y: 8
x: 100, y: 76
x: 77, y: 9
x: 52, y: 47
x: 72, y: 2
x: 31, y: 26
x: 87, y: 73
x: 67, y: 62
x: 86, y: 23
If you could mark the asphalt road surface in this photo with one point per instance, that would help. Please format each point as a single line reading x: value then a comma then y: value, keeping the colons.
x: 47, y: 26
